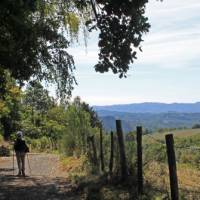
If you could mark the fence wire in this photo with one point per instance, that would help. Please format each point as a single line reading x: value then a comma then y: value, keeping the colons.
x: 195, y: 148
x: 156, y: 140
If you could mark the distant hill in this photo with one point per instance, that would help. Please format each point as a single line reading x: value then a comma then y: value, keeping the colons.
x: 186, y: 133
x: 150, y: 121
x: 152, y: 107
x: 151, y: 115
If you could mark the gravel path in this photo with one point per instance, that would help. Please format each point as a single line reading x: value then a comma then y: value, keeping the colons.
x: 44, y: 181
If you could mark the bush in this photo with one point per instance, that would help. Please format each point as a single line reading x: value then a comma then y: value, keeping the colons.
x: 156, y: 152
x: 1, y: 138
x: 44, y: 143
x: 196, y: 126
x: 35, y: 144
x: 68, y: 145
x: 4, y: 151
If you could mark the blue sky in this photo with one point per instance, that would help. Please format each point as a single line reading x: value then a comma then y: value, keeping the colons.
x: 167, y: 70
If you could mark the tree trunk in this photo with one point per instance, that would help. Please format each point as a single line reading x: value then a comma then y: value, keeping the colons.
x: 94, y: 150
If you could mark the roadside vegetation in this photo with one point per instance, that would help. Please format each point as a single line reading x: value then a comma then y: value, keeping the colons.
x: 72, y: 130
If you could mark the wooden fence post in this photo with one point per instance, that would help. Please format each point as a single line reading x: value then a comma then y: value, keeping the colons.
x: 92, y: 152
x: 95, y: 160
x: 101, y: 150
x: 123, y: 163
x: 139, y: 160
x: 111, y: 152
x: 172, y: 166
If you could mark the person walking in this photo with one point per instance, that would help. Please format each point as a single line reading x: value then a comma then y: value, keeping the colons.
x: 21, y: 149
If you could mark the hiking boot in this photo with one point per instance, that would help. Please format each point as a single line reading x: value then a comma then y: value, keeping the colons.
x: 19, y: 173
x: 23, y: 174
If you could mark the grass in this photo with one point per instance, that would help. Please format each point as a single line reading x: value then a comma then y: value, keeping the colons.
x: 157, y: 175
x: 156, y: 172
x: 177, y: 134
x: 74, y: 168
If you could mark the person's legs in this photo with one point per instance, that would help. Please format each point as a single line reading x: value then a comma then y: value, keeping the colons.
x: 19, y: 163
x: 23, y: 163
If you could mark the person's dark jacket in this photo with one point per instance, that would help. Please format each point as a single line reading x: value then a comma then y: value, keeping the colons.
x: 21, y: 146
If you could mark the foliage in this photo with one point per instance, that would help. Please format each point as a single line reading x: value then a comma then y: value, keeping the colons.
x: 4, y: 151
x: 37, y: 33
x: 94, y: 119
x: 33, y: 31
x: 131, y: 156
x: 196, y: 126
x: 188, y: 150
x: 78, y: 128
x: 74, y: 166
x: 37, y: 98
x: 42, y: 144
x: 46, y: 124
x: 1, y: 138
x: 121, y: 25
x: 156, y: 152
x: 63, y: 127
x: 9, y: 104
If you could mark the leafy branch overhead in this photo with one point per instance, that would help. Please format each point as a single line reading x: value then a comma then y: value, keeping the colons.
x: 35, y: 36
x: 33, y: 44
x: 121, y: 24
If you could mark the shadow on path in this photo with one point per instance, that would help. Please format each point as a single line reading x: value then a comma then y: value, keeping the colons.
x: 45, y: 180
x: 6, y: 170
x: 36, y: 188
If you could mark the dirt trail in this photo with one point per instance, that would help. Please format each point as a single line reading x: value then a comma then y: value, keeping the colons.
x: 44, y: 179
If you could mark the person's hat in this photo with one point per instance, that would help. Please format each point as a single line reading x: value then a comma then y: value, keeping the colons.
x: 19, y: 134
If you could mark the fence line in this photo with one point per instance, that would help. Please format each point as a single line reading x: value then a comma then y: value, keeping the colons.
x: 177, y: 147
x: 156, y: 140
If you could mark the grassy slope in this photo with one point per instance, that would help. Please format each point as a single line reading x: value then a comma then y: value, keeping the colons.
x: 156, y: 178
x: 178, y: 133
x: 157, y: 174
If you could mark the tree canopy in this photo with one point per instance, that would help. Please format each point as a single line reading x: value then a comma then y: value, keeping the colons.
x: 35, y: 36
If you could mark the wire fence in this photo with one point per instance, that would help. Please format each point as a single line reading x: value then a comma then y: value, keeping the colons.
x: 195, y: 148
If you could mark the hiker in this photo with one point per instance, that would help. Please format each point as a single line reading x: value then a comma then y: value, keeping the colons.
x: 21, y: 149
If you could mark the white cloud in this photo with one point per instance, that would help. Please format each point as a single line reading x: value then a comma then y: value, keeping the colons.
x: 172, y: 42
x: 167, y: 69
x: 174, y: 39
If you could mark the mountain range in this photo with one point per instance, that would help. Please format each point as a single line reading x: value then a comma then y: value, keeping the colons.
x: 152, y: 107
x: 151, y: 116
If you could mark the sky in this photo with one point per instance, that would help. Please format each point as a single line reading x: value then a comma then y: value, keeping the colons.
x: 167, y: 70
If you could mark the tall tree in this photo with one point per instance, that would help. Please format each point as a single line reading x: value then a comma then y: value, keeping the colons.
x: 35, y: 36
x: 38, y: 98
x: 32, y: 41
x: 94, y: 119
x: 9, y: 104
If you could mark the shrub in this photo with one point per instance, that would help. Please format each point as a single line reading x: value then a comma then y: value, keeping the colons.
x: 44, y: 143
x: 155, y: 152
x: 68, y: 145
x: 196, y: 126
x: 4, y: 151
x: 35, y: 144
x: 1, y: 138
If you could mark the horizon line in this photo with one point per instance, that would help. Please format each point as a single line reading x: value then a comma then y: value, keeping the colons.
x: 147, y: 102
